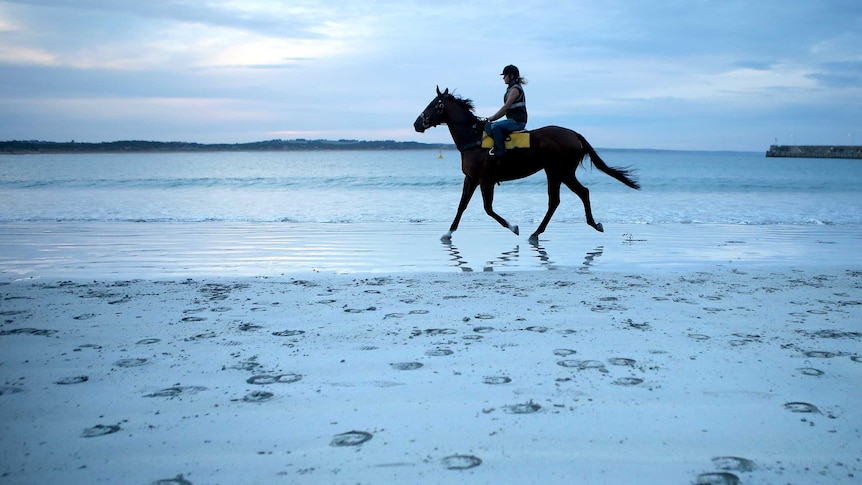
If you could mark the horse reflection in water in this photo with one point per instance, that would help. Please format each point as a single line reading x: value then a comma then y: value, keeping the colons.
x: 511, y: 259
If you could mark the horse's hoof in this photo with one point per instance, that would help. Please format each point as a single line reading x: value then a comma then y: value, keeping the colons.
x: 600, y: 227
x: 446, y: 237
x: 534, y: 239
x: 515, y: 230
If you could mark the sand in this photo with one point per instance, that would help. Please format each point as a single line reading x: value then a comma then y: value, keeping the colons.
x: 715, y: 374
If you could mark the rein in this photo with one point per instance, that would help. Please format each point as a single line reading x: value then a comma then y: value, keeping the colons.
x: 475, y: 123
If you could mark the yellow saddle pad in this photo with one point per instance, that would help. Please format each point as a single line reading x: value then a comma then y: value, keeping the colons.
x: 518, y: 139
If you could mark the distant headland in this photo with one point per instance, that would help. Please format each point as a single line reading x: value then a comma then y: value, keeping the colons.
x: 135, y: 146
x: 814, y: 151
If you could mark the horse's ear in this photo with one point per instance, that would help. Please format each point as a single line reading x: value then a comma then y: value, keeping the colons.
x: 438, y: 91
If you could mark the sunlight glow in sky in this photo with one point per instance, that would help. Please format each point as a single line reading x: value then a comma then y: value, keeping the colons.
x: 699, y: 74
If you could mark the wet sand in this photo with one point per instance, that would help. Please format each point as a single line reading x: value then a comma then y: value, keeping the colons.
x: 151, y: 250
x: 733, y: 359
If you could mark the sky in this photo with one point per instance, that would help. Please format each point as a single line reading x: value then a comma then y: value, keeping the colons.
x: 665, y: 74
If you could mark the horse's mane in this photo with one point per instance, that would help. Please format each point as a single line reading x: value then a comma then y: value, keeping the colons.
x: 465, y: 102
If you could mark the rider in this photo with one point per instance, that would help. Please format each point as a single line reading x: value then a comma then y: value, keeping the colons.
x: 514, y: 109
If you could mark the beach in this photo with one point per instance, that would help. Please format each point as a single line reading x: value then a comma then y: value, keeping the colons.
x: 232, y: 354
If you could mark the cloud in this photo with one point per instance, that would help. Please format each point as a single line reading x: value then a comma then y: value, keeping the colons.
x: 348, y: 68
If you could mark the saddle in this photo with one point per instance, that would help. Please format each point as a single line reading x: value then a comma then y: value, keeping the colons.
x: 517, y: 139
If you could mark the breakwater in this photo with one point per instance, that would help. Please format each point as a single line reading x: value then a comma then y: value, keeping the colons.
x: 815, y: 151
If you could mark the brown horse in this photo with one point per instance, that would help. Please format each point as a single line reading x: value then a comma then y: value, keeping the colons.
x: 557, y: 150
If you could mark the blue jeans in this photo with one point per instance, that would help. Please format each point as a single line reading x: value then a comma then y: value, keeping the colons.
x: 498, y: 131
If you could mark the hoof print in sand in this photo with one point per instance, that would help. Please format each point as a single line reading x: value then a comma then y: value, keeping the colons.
x: 407, y: 365
x: 628, y: 381
x: 279, y: 379
x: 258, y: 396
x: 177, y: 480
x: 820, y: 354
x: 28, y: 331
x: 810, y: 371
x: 351, y: 438
x: 4, y: 390
x: 100, y: 430
x: 524, y: 408
x: 359, y: 310
x: 733, y: 463
x: 564, y: 352
x: 176, y: 391
x: 148, y: 341
x: 537, y: 329
x: 246, y: 365
x: 433, y: 332
x: 439, y: 352
x: 622, y: 361
x: 131, y: 362
x: 801, y: 407
x: 592, y: 364
x: 461, y: 462
x: 72, y: 380
x: 288, y: 333
x: 497, y: 380
x: 719, y: 478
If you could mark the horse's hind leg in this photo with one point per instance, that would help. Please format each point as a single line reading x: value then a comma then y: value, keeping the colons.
x: 553, y: 203
x: 584, y: 193
x: 488, y: 199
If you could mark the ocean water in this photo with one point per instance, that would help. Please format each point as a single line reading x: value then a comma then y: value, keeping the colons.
x: 344, y: 187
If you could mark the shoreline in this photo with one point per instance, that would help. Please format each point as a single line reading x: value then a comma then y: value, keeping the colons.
x: 148, y: 250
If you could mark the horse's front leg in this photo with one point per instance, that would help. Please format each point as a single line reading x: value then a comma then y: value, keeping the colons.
x: 466, y: 194
x: 488, y: 199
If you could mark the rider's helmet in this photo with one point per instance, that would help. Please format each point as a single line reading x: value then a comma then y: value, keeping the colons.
x: 512, y: 71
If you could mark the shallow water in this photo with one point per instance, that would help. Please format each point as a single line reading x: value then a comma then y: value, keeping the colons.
x: 130, y: 250
x: 286, y: 212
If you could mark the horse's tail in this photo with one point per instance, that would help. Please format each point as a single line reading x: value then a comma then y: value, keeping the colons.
x: 624, y: 175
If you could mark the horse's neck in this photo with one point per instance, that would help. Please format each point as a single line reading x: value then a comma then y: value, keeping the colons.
x: 463, y: 130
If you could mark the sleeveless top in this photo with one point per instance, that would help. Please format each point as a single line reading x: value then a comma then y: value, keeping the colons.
x: 518, y: 110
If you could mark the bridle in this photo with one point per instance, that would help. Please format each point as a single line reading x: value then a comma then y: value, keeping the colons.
x: 438, y: 112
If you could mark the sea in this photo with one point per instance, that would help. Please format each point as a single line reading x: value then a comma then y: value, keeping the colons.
x: 333, y: 193
x: 409, y: 186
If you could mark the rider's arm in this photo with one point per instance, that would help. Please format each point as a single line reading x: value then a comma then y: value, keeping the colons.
x: 510, y: 100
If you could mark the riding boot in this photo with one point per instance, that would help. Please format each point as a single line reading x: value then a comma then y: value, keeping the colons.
x: 499, y: 149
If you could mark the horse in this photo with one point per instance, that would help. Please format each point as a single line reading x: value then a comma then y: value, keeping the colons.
x: 556, y: 150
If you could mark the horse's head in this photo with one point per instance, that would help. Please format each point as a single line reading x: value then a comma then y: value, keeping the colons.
x: 434, y: 113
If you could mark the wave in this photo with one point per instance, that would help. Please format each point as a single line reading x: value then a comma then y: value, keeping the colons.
x: 729, y: 185
x: 233, y: 182
x: 420, y: 220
